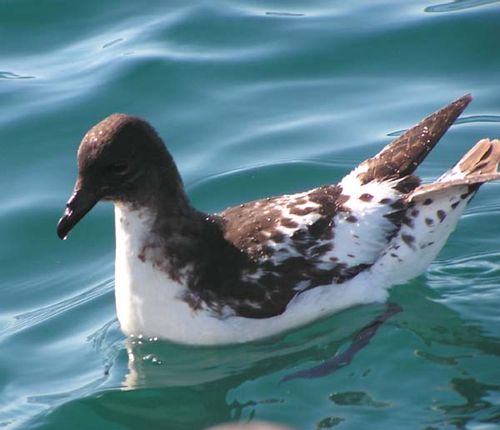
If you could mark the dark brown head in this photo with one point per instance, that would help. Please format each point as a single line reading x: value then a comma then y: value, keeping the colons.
x: 121, y: 159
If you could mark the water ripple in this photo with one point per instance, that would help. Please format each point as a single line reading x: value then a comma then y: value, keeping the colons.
x: 285, y: 14
x: 39, y: 315
x: 478, y: 119
x: 459, y: 5
x: 262, y: 95
x: 11, y: 75
x: 484, y: 262
x: 474, y: 119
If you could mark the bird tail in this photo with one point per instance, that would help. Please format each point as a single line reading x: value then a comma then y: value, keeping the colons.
x: 476, y: 167
x: 433, y: 211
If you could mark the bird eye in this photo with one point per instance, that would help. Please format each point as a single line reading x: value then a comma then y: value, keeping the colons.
x: 118, y: 168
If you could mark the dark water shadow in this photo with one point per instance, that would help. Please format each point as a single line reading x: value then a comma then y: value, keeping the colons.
x: 360, y: 341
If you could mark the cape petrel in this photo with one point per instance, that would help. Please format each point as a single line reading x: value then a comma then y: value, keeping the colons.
x: 266, y: 266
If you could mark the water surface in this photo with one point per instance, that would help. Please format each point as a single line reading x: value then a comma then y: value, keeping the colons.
x: 253, y: 99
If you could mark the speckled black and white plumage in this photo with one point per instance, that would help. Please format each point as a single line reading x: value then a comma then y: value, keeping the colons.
x: 271, y: 264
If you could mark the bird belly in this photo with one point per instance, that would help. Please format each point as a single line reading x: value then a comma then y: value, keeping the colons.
x: 150, y: 305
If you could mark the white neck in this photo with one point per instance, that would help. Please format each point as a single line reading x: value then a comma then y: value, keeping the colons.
x: 144, y: 294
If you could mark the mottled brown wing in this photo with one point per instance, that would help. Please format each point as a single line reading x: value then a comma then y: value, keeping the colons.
x: 266, y: 227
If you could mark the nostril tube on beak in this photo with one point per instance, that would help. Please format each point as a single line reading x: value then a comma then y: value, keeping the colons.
x: 80, y: 202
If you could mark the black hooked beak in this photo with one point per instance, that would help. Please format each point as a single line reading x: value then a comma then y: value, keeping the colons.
x: 80, y: 202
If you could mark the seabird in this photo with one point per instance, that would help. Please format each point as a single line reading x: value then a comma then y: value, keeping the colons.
x: 266, y: 266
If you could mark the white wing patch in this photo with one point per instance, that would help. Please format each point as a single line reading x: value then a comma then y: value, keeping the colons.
x: 361, y: 232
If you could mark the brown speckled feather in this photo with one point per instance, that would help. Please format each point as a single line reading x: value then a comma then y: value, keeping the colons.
x: 403, y: 155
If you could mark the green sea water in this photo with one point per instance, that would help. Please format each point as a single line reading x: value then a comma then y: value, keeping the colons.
x: 253, y: 98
